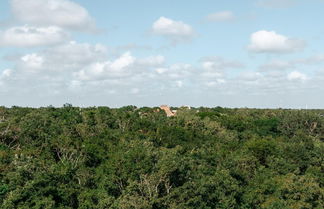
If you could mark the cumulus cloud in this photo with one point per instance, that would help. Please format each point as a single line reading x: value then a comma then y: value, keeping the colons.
x: 61, y: 60
x: 5, y: 74
x: 79, y: 69
x: 73, y: 56
x: 274, y: 83
x: 28, y: 36
x: 108, y: 69
x: 174, y: 30
x: 297, y: 76
x: 221, y: 16
x: 62, y: 13
x: 125, y: 69
x: 175, y: 76
x: 74, y: 70
x: 271, y: 42
x: 32, y: 62
x: 214, y: 70
x: 84, y: 62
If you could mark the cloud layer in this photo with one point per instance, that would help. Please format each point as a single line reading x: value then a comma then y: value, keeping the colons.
x: 83, y: 69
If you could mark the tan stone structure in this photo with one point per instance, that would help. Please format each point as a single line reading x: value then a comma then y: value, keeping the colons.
x: 167, y: 110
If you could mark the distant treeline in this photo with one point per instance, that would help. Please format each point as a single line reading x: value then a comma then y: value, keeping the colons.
x: 130, y: 157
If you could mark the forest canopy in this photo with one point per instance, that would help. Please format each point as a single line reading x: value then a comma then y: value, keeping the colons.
x: 129, y: 157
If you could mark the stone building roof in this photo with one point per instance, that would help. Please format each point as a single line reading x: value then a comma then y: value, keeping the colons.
x: 167, y: 110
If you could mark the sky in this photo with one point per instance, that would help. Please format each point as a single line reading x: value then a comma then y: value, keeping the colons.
x: 229, y: 53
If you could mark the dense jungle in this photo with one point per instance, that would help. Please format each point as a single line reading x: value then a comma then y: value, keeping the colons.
x: 129, y: 157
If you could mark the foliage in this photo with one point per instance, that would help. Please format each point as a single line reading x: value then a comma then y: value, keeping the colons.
x: 99, y: 157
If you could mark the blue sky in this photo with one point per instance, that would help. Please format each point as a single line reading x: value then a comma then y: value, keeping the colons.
x: 253, y: 53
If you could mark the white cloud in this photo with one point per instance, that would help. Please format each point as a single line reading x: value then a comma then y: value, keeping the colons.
x: 221, y: 16
x: 83, y: 62
x: 174, y: 30
x: 27, y: 36
x: 82, y: 70
x: 122, y: 62
x: 295, y: 75
x: 179, y: 71
x: 214, y: 71
x: 174, y: 76
x: 271, y: 42
x: 6, y: 73
x: 73, y: 56
x: 32, y: 62
x: 60, y: 61
x: 62, y: 13
x: 76, y: 68
x: 123, y: 66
